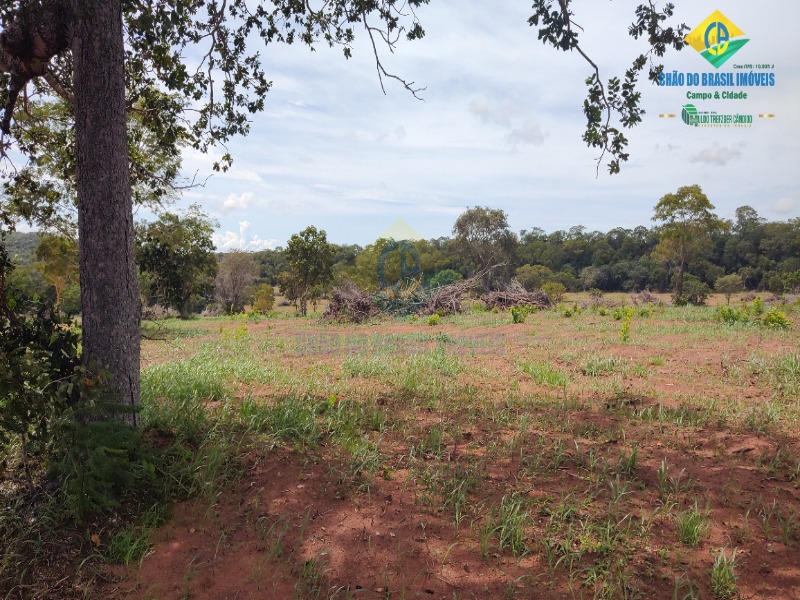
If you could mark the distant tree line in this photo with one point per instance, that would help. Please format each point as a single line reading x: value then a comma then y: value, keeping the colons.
x: 689, y: 251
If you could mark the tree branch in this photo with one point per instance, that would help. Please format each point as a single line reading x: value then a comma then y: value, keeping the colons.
x: 382, y: 72
x: 58, y: 88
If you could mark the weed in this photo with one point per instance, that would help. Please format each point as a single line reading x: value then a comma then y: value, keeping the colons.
x: 723, y: 577
x: 508, y: 526
x: 448, y: 488
x: 692, y: 525
x: 545, y: 374
x: 625, y: 331
x: 668, y: 486
x: 618, y: 490
x: 597, y: 365
x: 130, y: 545
x: 629, y: 464
x: 365, y: 461
x: 518, y: 314
x: 788, y: 525
x: 312, y: 577
x: 784, y: 373
x: 684, y: 589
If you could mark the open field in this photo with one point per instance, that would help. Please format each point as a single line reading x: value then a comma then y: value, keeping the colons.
x: 567, y: 456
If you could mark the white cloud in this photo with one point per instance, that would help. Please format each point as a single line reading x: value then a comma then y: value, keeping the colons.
x: 237, y: 202
x: 717, y: 155
x: 244, y: 240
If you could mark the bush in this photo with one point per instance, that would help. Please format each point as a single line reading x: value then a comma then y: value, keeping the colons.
x: 265, y: 299
x: 729, y: 285
x: 446, y: 277
x: 38, y: 358
x: 554, y: 290
x: 694, y: 291
x: 518, y: 314
x: 776, y: 319
x: 57, y: 409
x: 730, y: 314
x: 98, y: 458
x: 623, y: 313
x: 758, y: 306
x: 532, y: 277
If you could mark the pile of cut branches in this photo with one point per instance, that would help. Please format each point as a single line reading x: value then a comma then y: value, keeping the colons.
x: 446, y: 300
x: 350, y: 304
x: 515, y: 295
x: 644, y: 297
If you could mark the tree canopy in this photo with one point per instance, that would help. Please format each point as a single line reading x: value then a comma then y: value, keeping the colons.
x: 482, y: 234
x: 310, y: 257
x: 175, y: 256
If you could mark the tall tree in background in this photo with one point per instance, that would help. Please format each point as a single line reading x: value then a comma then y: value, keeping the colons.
x: 482, y: 234
x: 177, y: 253
x: 688, y: 221
x: 311, y: 258
x: 236, y: 271
x: 58, y: 256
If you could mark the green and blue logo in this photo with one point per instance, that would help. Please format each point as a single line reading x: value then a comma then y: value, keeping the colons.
x: 716, y: 39
x: 689, y: 114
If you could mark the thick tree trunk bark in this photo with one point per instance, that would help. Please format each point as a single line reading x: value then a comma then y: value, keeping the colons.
x: 109, y: 290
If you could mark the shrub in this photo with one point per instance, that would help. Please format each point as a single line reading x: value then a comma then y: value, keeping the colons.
x: 758, y: 306
x: 433, y: 319
x: 625, y: 331
x: 776, y: 319
x: 730, y: 314
x: 99, y: 459
x: 265, y: 299
x: 694, y: 291
x: 518, y: 314
x: 445, y: 277
x: 554, y: 290
x: 38, y: 357
x: 623, y: 313
x: 729, y: 285
x: 57, y: 409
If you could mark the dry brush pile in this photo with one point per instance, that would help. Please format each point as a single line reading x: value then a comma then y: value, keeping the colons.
x: 515, y: 295
x: 351, y: 304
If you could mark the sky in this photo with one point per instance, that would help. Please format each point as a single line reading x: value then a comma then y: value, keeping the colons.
x: 499, y: 125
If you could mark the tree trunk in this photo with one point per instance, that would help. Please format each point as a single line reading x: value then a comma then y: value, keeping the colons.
x: 109, y: 290
x: 679, y: 281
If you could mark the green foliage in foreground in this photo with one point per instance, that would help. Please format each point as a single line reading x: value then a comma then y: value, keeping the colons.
x: 755, y: 313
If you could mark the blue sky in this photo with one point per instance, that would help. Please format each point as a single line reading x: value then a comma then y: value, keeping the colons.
x: 500, y: 126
